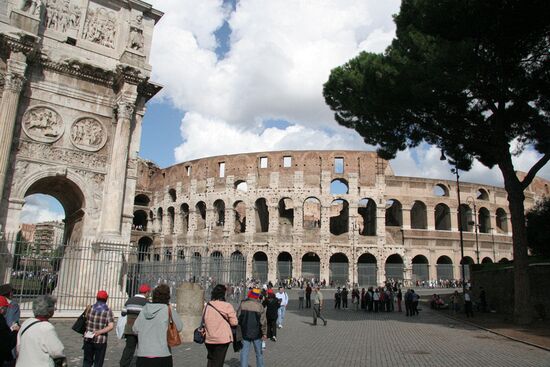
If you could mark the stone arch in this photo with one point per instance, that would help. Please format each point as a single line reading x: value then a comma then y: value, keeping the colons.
x: 239, y: 208
x: 419, y: 215
x: 142, y: 200
x: 160, y: 219
x: 286, y: 216
x: 200, y: 210
x: 262, y: 215
x: 312, y: 213
x: 184, y: 213
x: 173, y: 195
x: 394, y: 268
x: 420, y: 268
x: 445, y: 268
x: 440, y: 190
x: 219, y: 207
x: 394, y: 213
x: 338, y: 269
x: 139, y: 222
x: 504, y: 260
x: 284, y: 265
x: 311, y: 267
x: 367, y: 270
x: 487, y: 260
x: 171, y: 219
x: 442, y: 215
x: 237, y: 267
x: 465, y: 263
x: 482, y: 194
x: 339, y: 217
x: 339, y: 186
x: 215, y: 268
x: 241, y: 185
x: 465, y: 218
x: 502, y: 220
x: 144, y: 248
x: 260, y: 267
x: 366, y: 208
x: 69, y: 189
x: 484, y: 220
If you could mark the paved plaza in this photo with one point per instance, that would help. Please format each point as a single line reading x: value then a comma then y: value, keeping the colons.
x: 355, y: 338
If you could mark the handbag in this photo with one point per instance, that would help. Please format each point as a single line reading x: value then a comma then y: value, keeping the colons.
x: 80, y: 324
x: 173, y: 335
x: 199, y: 334
x: 60, y: 362
x: 120, y: 326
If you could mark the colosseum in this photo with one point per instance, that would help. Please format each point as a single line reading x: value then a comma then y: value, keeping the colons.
x: 339, y: 216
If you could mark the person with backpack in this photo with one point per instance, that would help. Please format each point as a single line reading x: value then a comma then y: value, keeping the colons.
x: 131, y: 310
x: 253, y: 323
x: 271, y: 304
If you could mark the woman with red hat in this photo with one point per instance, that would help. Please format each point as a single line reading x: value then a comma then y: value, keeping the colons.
x: 99, y: 321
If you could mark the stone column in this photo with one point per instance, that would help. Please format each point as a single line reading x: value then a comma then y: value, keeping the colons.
x: 13, y: 84
x: 116, y: 176
x: 406, y: 210
x: 430, y: 212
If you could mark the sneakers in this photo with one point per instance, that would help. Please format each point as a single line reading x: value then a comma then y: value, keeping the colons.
x: 280, y: 326
x: 274, y: 338
x: 325, y: 322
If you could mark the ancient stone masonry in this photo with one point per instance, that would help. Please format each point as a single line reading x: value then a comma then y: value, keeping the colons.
x: 334, y: 215
x: 71, y: 109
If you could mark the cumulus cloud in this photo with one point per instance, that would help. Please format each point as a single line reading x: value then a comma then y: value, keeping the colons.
x: 280, y: 54
x: 41, y: 208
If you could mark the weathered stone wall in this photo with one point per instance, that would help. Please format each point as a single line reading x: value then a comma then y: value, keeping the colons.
x: 499, y: 286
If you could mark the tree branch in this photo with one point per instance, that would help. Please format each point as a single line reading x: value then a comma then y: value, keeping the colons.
x: 533, y: 171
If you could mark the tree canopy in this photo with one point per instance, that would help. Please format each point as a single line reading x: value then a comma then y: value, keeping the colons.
x: 538, y: 236
x: 469, y: 76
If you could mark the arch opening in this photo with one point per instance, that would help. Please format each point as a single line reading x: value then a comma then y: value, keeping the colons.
x: 394, y: 213
x: 366, y: 208
x: 239, y: 208
x: 442, y: 215
x: 339, y: 186
x: 444, y: 267
x: 219, y: 207
x: 284, y: 266
x: 142, y: 200
x: 420, y: 268
x: 311, y: 267
x: 286, y: 216
x: 200, y: 210
x: 338, y: 269
x: 367, y: 270
x: 419, y: 215
x: 312, y: 213
x: 262, y: 215
x: 260, y: 266
x: 139, y: 222
x: 394, y: 268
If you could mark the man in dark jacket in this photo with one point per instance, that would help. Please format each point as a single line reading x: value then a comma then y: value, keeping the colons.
x: 271, y: 305
x: 253, y: 323
x: 131, y: 310
x: 8, y: 335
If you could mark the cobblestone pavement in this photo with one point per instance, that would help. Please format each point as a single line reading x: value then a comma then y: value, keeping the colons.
x: 354, y: 338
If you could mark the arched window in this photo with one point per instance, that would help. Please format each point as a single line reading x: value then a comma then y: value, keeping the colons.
x: 394, y: 213
x: 394, y: 268
x: 482, y: 194
x: 419, y: 216
x: 466, y: 221
x: 442, y: 215
x: 366, y: 208
x: 484, y: 220
x: 286, y: 216
x: 159, y: 219
x: 239, y: 208
x: 200, y: 210
x: 420, y: 268
x: 142, y: 200
x: 262, y: 215
x: 139, y: 222
x: 339, y: 217
x: 502, y: 220
x: 339, y: 269
x: 241, y: 186
x: 172, y: 194
x: 219, y: 207
x: 312, y: 213
x: 441, y: 190
x: 171, y: 217
x: 339, y: 186
x: 367, y: 270
x: 184, y: 212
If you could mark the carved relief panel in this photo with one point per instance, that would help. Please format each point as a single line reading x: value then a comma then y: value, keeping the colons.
x: 63, y: 16
x: 100, y: 26
x: 43, y: 124
x: 88, y: 134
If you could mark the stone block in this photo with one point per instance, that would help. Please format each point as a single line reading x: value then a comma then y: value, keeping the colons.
x: 190, y: 303
x: 24, y: 21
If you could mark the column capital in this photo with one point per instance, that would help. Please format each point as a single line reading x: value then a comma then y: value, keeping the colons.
x: 14, y: 82
x: 124, y: 109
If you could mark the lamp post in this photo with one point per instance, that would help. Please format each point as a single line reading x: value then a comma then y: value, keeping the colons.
x: 454, y: 170
x: 476, y: 225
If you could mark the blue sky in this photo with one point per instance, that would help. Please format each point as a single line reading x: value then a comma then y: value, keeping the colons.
x: 247, y: 76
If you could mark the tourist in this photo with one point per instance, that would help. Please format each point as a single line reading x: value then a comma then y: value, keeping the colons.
x: 399, y: 299
x: 219, y: 318
x: 345, y: 298
x: 37, y: 343
x: 8, y: 335
x: 99, y: 321
x: 301, y: 294
x: 468, y: 304
x: 151, y: 328
x: 376, y: 300
x: 414, y: 302
x: 272, y: 305
x: 308, y: 296
x: 364, y: 299
x: 282, y: 296
x: 12, y: 315
x: 318, y: 306
x: 337, y: 298
x: 455, y: 302
x: 355, y: 297
x: 408, y: 302
x: 131, y: 310
x: 253, y: 323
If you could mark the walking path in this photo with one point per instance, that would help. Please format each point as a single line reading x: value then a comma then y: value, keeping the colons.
x: 355, y: 338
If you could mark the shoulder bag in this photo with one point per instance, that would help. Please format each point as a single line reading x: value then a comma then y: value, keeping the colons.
x: 200, y: 333
x: 173, y: 335
x: 80, y: 324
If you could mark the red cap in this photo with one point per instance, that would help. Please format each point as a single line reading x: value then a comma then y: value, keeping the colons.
x: 270, y: 291
x: 144, y: 288
x: 4, y: 302
x: 102, y: 295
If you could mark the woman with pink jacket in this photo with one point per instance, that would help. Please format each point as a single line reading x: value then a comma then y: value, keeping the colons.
x: 219, y: 316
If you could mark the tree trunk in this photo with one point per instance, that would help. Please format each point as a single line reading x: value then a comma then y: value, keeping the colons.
x: 516, y: 197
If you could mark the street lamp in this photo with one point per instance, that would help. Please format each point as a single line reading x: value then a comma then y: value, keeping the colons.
x: 454, y: 170
x: 476, y: 225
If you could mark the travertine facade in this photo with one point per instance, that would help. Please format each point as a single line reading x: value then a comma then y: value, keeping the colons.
x: 74, y: 79
x: 280, y: 207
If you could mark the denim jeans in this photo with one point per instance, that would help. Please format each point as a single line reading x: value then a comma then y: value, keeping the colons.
x: 257, y: 348
x: 281, y: 312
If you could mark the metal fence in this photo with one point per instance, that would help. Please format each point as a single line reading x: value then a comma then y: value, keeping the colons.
x: 74, y: 272
x: 339, y: 274
x: 367, y: 274
x: 420, y: 272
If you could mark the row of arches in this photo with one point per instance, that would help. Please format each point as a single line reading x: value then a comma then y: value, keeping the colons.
x: 339, y: 216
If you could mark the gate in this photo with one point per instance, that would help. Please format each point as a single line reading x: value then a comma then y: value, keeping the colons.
x: 394, y: 272
x: 284, y: 270
x: 259, y: 270
x: 420, y: 272
x: 311, y: 270
x: 367, y: 274
x: 339, y: 273
x: 445, y: 272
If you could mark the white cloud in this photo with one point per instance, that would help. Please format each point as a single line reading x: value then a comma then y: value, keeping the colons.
x: 281, y: 52
x: 41, y: 208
